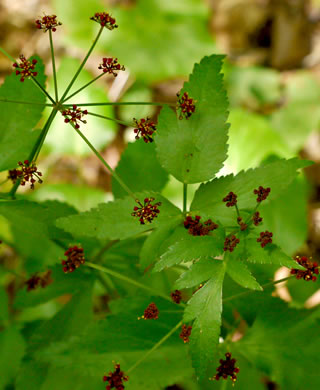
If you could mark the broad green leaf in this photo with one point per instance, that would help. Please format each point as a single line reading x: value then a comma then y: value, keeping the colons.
x: 99, y: 131
x: 12, y: 347
x: 245, y: 135
x: 157, y: 241
x: 139, y: 169
x: 114, y: 221
x: 270, y: 254
x: 18, y: 120
x: 277, y: 175
x: 199, y: 272
x: 193, y: 150
x: 4, y: 308
x: 35, y: 236
x: 156, y: 30
x: 239, y: 272
x: 192, y: 248
x: 205, y: 307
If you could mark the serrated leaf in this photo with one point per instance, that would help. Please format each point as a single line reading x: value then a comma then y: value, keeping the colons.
x: 114, y: 221
x: 139, y: 169
x: 200, y: 271
x: 270, y: 254
x: 239, y: 272
x: 191, y: 248
x: 18, y: 120
x: 157, y: 241
x: 193, y: 150
x: 35, y: 235
x: 277, y: 175
x: 205, y: 307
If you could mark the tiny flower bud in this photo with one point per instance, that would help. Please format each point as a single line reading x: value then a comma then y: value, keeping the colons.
x: 39, y: 280
x: 185, y: 106
x: 312, y: 269
x: 151, y: 312
x: 262, y: 193
x: 105, y: 20
x: 230, y: 243
x: 176, y: 296
x: 48, y: 22
x: 75, y: 258
x: 26, y: 173
x: 185, y: 333
x: 145, y: 129
x: 74, y: 115
x: 115, y: 379
x: 231, y: 199
x: 197, y: 228
x: 256, y: 218
x: 265, y: 238
x: 226, y: 368
x: 146, y: 212
x: 26, y: 68
x: 111, y: 66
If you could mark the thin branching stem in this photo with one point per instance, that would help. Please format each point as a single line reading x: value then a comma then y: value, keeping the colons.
x: 111, y: 119
x: 82, y: 88
x: 36, y: 82
x: 53, y: 66
x: 23, y: 102
x: 118, y: 104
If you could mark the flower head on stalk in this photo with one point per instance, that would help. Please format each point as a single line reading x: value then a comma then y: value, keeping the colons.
x: 230, y: 243
x: 25, y: 68
x: 230, y: 199
x: 75, y: 258
x: 110, y: 65
x: 74, y: 115
x: 185, y: 105
x: 176, y: 296
x: 185, y: 333
x: 39, y: 280
x: 27, y: 172
x: 115, y: 378
x: 262, y: 193
x: 147, y: 211
x: 105, y: 20
x: 226, y: 368
x: 48, y: 22
x: 145, y: 129
x: 197, y: 228
x: 265, y: 238
x: 312, y: 269
x: 151, y: 312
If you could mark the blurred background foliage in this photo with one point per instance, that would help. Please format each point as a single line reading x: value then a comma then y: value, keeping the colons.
x: 272, y: 74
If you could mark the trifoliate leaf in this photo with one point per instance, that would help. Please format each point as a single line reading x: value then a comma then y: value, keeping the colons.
x: 277, y: 175
x: 193, y: 150
x: 139, y: 169
x: 18, y: 120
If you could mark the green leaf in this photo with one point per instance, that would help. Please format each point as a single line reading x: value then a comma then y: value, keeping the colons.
x: 18, y: 120
x: 4, y: 312
x: 191, y: 248
x: 270, y: 254
x: 99, y: 131
x: 200, y: 271
x: 12, y: 346
x: 205, y: 307
x: 139, y: 169
x: 157, y: 242
x: 194, y: 150
x: 277, y: 175
x: 239, y: 272
x: 35, y: 236
x: 114, y: 221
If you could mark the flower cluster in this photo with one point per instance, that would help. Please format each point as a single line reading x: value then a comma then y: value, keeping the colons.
x: 115, y: 379
x: 230, y: 243
x: 25, y: 68
x: 312, y: 269
x: 48, y: 22
x: 265, y: 238
x: 146, y: 212
x: 243, y: 225
x: 26, y: 173
x: 176, y: 296
x: 39, y: 280
x: 151, y: 312
x: 145, y: 129
x: 185, y: 106
x: 110, y: 65
x: 185, y: 333
x: 74, y: 115
x: 197, y: 228
x: 227, y: 368
x: 105, y: 20
x: 256, y: 218
x: 231, y: 199
x: 75, y: 257
x: 262, y: 193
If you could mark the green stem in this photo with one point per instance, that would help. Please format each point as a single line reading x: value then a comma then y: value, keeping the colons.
x: 111, y: 119
x: 7, y: 55
x: 155, y: 347
x: 82, y: 65
x: 36, y: 82
x: 23, y: 102
x: 252, y: 291
x: 82, y: 88
x: 128, y: 280
x: 185, y: 194
x: 224, y: 385
x: 53, y: 66
x: 118, y: 104
x: 108, y: 245
x: 106, y: 165
x: 237, y: 210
